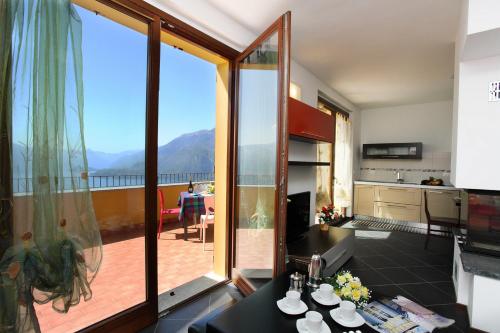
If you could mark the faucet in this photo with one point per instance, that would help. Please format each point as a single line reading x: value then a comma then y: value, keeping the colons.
x: 399, y: 177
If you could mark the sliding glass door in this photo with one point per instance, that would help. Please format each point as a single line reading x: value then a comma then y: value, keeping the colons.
x: 260, y: 165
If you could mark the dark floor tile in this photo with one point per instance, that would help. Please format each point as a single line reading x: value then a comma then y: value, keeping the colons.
x: 355, y: 263
x: 149, y: 329
x: 364, y: 251
x: 405, y: 260
x: 430, y: 274
x: 399, y: 275
x: 434, y: 259
x: 426, y: 294
x: 388, y: 291
x: 172, y: 326
x: 193, y: 310
x: 370, y: 277
x: 445, y: 269
x: 380, y: 261
x: 447, y: 287
x: 456, y: 312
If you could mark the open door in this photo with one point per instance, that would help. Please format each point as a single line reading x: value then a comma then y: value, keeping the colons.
x: 260, y: 157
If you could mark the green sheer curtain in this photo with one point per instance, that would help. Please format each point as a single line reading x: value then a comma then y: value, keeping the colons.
x: 51, y: 246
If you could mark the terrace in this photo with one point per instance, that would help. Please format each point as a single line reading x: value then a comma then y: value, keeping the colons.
x: 119, y: 207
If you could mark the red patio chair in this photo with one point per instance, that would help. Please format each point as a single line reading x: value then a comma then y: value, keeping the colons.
x: 165, y: 211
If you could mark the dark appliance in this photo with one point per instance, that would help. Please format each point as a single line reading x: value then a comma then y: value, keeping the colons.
x: 408, y: 151
x: 482, y: 210
x: 297, y: 215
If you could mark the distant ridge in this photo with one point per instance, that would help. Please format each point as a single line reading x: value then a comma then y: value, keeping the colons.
x: 190, y: 152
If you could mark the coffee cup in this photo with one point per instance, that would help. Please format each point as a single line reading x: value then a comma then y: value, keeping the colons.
x: 326, y: 291
x: 292, y: 298
x: 347, y: 310
x: 313, y: 321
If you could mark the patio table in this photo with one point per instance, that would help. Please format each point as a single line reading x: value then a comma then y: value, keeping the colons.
x: 192, y: 206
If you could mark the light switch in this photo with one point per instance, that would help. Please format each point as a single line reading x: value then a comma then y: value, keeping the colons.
x: 494, y: 95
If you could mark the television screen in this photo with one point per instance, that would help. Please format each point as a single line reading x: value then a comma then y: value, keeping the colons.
x: 297, y: 220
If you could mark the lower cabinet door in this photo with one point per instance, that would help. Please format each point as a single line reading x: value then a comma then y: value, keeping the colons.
x: 441, y: 204
x: 397, y: 211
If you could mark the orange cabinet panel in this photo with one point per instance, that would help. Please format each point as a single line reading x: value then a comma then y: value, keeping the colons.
x: 308, y: 122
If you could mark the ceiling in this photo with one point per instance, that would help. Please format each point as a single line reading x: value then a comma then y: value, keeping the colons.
x: 375, y: 53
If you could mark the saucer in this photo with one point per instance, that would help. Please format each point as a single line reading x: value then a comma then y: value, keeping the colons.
x: 289, y: 310
x: 358, y: 319
x: 334, y: 300
x: 302, y: 327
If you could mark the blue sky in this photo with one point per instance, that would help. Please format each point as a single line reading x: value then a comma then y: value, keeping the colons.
x: 114, y: 72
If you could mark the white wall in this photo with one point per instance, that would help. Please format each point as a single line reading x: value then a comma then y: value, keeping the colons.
x: 478, y: 127
x: 483, y: 15
x: 429, y: 123
x: 476, y: 122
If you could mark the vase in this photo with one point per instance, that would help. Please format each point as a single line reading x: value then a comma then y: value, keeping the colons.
x: 324, y: 227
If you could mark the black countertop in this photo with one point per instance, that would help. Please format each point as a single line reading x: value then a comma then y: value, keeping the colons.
x: 482, y: 265
x: 476, y: 263
x: 258, y: 313
x: 317, y: 241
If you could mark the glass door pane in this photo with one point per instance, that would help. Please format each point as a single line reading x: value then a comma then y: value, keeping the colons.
x: 97, y: 189
x: 259, y: 175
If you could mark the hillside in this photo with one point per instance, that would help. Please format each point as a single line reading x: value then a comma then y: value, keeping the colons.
x: 191, y: 152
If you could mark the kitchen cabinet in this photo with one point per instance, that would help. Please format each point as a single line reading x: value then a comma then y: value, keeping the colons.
x: 308, y: 123
x: 364, y: 197
x: 395, y: 211
x: 401, y: 195
x: 404, y: 203
x: 441, y: 204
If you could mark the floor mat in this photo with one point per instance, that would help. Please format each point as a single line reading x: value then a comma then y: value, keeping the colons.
x: 376, y: 225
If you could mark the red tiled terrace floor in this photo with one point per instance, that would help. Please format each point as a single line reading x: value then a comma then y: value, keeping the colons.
x: 120, y: 282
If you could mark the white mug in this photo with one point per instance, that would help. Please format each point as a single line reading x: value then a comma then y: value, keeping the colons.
x: 292, y: 298
x: 347, y: 310
x: 313, y: 321
x: 326, y: 291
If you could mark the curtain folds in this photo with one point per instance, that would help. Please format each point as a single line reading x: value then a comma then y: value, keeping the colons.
x: 342, y: 189
x: 54, y: 248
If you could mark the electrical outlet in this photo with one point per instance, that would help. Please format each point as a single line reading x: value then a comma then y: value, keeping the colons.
x: 494, y: 95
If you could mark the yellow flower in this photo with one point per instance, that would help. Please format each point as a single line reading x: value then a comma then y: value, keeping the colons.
x: 356, y: 294
x: 338, y: 292
x: 346, y: 291
x: 348, y: 276
x: 355, y: 284
x: 341, y: 279
x: 364, y: 292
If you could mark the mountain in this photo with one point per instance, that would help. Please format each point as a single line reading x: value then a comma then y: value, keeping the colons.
x: 191, y: 152
x: 99, y: 160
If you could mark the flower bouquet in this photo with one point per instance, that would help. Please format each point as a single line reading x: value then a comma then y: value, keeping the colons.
x: 349, y: 288
x: 327, y: 216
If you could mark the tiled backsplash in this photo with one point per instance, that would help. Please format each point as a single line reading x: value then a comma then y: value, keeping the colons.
x: 435, y: 165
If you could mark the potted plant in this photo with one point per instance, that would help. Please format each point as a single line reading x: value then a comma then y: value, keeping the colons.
x: 326, y: 217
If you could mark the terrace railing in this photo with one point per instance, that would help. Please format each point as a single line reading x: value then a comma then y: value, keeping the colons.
x: 24, y: 185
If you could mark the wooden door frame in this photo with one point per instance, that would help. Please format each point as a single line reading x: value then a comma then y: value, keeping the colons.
x: 143, y: 314
x: 283, y: 26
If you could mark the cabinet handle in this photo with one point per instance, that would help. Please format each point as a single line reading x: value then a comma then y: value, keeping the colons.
x: 401, y: 189
x: 396, y: 206
x: 433, y: 191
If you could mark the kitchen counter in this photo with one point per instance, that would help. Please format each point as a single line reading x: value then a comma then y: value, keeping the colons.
x: 409, y: 185
x: 483, y: 265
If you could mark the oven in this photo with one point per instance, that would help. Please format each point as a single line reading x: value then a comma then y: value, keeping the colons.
x: 482, y: 209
